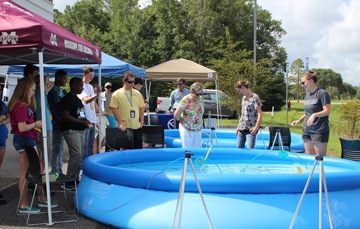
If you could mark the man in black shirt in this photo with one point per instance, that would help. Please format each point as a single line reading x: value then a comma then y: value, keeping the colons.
x: 73, y: 127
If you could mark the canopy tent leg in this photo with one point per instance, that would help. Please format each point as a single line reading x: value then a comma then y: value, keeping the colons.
x: 4, y: 89
x: 100, y: 111
x: 148, y: 100
x: 44, y: 134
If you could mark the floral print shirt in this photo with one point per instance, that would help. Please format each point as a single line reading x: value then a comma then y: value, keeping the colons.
x: 191, y: 117
x: 249, y: 113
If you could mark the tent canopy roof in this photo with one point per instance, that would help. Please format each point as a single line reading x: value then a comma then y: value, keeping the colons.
x: 180, y: 68
x: 23, y: 33
x: 110, y: 67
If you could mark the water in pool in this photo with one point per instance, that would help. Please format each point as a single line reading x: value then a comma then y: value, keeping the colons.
x: 233, y: 166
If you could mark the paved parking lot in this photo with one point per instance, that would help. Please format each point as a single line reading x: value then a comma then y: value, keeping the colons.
x: 10, y: 171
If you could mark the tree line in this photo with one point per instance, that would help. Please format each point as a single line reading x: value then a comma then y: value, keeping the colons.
x: 215, y: 33
x: 328, y: 80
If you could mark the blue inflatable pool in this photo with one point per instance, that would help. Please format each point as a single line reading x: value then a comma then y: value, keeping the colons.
x: 227, y: 139
x: 242, y: 189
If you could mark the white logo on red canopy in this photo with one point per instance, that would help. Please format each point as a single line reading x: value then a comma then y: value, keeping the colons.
x: 97, y: 52
x: 53, y: 39
x: 9, y: 38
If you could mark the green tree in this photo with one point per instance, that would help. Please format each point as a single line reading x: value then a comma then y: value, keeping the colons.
x: 348, y: 91
x: 297, y: 70
x: 358, y: 93
x: 89, y: 19
x: 350, y: 113
x: 233, y: 64
x: 327, y: 78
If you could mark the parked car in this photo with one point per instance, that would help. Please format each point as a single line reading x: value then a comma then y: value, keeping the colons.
x: 209, y: 96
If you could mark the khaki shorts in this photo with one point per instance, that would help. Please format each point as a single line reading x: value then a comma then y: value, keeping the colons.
x: 40, y: 144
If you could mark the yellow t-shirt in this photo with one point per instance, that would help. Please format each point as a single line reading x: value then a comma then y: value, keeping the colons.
x: 122, y: 104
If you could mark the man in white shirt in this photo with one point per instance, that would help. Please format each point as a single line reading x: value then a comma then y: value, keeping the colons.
x: 88, y: 97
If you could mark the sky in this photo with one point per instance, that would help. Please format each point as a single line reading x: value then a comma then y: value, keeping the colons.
x: 325, y: 31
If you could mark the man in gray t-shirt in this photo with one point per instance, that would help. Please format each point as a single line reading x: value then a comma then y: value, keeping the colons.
x: 313, y: 103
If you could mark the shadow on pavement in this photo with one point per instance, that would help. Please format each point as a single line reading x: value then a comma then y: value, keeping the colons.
x: 9, y: 218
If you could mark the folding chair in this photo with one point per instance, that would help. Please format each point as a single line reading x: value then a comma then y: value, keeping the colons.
x: 34, y: 176
x: 117, y: 139
x: 350, y: 149
x: 281, y: 137
x: 154, y: 120
x: 153, y: 136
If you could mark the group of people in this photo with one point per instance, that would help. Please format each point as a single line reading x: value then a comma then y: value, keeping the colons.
x: 71, y: 118
x: 189, y: 109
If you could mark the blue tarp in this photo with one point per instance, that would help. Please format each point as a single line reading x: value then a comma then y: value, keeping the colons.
x: 110, y: 67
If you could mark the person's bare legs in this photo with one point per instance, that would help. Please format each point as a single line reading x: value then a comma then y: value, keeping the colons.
x: 96, y: 145
x: 2, y: 155
x: 309, y: 148
x: 23, y: 168
x: 320, y: 148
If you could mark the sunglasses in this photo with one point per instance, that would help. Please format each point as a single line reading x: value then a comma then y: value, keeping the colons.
x: 302, y: 83
x: 198, y: 94
x: 131, y: 81
x: 179, y: 84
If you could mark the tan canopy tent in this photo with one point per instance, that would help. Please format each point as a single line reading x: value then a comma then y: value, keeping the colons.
x: 181, y: 68
x: 174, y: 69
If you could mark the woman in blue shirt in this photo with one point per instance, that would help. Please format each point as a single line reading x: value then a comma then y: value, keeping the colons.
x: 4, y: 119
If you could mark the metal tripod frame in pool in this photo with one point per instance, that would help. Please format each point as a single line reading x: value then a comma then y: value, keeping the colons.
x: 137, y: 198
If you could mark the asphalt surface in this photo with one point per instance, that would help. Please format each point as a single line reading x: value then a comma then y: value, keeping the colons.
x: 10, y: 171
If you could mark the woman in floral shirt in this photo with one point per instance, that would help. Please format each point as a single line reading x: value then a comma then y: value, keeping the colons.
x: 191, y: 109
x: 251, y: 115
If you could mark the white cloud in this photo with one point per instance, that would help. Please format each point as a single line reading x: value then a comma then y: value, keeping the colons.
x: 326, y: 31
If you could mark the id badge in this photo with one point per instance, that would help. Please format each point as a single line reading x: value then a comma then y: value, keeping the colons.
x: 132, y: 114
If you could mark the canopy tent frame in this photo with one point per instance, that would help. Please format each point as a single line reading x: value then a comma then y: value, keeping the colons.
x: 27, y: 38
x: 182, y: 68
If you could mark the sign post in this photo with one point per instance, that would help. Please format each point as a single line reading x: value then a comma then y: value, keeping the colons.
x: 287, y: 92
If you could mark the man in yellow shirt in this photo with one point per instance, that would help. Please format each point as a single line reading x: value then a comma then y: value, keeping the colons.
x: 127, y: 105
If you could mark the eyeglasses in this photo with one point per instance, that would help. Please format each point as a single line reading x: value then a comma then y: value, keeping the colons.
x: 131, y: 81
x: 302, y: 83
x: 179, y: 84
x: 198, y: 94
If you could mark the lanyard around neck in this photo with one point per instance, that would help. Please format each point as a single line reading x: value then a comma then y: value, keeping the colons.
x: 130, y: 100
x: 181, y: 95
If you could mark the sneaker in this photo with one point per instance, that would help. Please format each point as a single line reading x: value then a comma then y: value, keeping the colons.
x: 2, y: 200
x: 27, y: 210
x: 44, y: 204
x: 69, y: 186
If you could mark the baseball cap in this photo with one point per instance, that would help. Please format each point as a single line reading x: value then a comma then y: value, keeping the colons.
x: 108, y: 84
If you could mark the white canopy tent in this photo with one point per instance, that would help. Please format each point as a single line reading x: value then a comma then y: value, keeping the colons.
x: 181, y: 68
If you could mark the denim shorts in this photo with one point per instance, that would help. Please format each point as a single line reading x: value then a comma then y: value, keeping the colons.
x: 3, y: 145
x: 18, y: 140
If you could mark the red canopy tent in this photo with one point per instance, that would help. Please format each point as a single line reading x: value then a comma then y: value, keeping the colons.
x: 22, y: 33
x: 27, y: 38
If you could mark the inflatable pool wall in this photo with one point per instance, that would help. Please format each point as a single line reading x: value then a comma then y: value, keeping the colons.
x: 119, y: 196
x: 226, y: 138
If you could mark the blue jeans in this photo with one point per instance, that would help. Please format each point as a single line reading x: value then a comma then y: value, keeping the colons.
x: 89, y: 142
x: 242, y: 138
x: 57, y: 151
x: 19, y: 139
